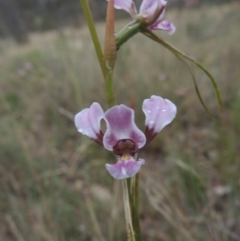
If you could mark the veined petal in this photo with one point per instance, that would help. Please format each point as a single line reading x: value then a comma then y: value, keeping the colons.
x: 149, y: 8
x: 121, y: 126
x: 125, y: 168
x: 88, y: 121
x: 159, y: 19
x: 127, y: 5
x: 159, y: 112
x: 164, y: 25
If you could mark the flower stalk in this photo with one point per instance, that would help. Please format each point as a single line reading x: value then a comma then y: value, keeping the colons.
x: 127, y: 209
x: 136, y: 218
x: 133, y: 190
x: 122, y: 136
x: 127, y: 32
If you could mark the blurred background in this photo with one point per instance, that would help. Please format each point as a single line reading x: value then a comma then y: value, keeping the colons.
x: 53, y: 183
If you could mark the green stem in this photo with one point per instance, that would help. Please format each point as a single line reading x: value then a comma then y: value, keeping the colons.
x: 109, y: 87
x: 96, y: 43
x: 133, y: 191
x: 136, y: 221
x: 128, y: 213
x: 127, y: 32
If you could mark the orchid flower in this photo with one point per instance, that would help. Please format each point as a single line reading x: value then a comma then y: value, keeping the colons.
x: 122, y: 136
x: 150, y: 14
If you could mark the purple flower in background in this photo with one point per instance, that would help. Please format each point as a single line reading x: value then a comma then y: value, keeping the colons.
x: 150, y: 14
x: 122, y: 136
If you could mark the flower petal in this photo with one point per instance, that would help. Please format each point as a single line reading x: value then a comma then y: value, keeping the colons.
x: 159, y: 112
x: 88, y: 121
x: 152, y: 6
x: 125, y: 169
x: 127, y: 5
x: 164, y: 25
x: 121, y: 126
x: 148, y: 9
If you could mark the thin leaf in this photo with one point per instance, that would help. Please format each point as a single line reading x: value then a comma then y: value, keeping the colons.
x: 198, y: 92
x: 196, y: 87
x: 180, y: 54
x: 93, y: 32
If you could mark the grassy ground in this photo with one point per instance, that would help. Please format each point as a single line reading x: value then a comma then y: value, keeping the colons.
x: 53, y: 182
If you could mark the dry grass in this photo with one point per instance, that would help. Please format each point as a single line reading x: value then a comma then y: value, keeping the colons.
x: 53, y: 182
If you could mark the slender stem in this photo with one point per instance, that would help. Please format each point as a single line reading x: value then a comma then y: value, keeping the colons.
x: 136, y: 220
x: 109, y: 88
x: 96, y: 43
x: 127, y: 32
x: 133, y: 191
x: 133, y: 188
x: 128, y: 213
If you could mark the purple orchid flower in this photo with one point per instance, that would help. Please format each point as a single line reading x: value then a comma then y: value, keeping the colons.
x: 122, y: 136
x: 150, y: 14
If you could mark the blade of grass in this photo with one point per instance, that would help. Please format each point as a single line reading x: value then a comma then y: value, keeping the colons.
x: 110, y: 50
x: 91, y: 26
x: 94, y: 220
